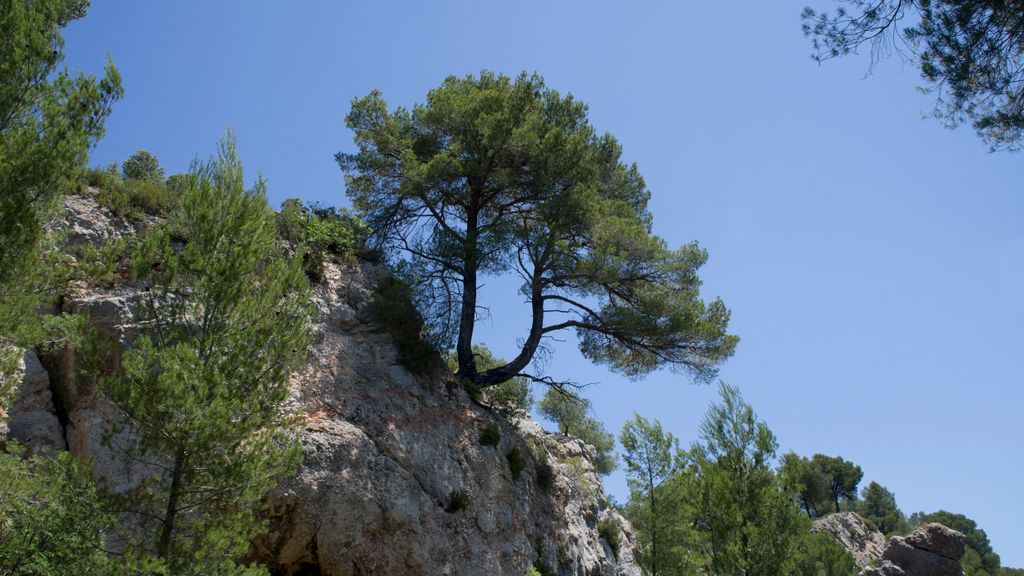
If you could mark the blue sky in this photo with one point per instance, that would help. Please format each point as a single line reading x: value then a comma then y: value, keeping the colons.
x: 871, y: 258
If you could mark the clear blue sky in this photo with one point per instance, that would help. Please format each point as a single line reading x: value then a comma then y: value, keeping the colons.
x: 871, y: 259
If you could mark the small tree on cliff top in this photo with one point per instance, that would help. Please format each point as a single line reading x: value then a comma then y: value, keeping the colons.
x: 494, y: 175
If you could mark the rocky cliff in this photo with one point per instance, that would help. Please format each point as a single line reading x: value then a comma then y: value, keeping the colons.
x: 394, y: 478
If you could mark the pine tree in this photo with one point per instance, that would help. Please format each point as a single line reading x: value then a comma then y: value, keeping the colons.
x: 204, y: 386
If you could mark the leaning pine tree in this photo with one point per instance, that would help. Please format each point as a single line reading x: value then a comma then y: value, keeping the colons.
x: 494, y: 176
x: 205, y: 385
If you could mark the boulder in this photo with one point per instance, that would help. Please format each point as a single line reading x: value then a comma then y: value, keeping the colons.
x: 931, y: 550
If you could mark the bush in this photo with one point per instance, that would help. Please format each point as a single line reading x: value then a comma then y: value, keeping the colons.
x: 393, y: 309
x: 321, y: 231
x: 610, y: 529
x: 150, y: 197
x: 491, y: 434
x: 457, y: 500
x: 516, y: 462
x: 142, y: 165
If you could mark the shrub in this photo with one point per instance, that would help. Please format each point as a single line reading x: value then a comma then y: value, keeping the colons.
x: 150, y: 197
x: 457, y: 500
x: 321, y: 231
x: 610, y: 529
x: 490, y: 435
x: 393, y: 309
x: 142, y: 165
x: 516, y: 462
x: 176, y: 184
x: 531, y: 571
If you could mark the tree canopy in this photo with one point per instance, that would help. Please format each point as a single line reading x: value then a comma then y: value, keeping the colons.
x: 493, y: 176
x: 971, y: 53
x: 49, y: 119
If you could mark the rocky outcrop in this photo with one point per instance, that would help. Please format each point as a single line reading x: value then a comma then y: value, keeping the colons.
x: 931, y: 550
x: 33, y: 420
x: 394, y: 478
x: 864, y: 543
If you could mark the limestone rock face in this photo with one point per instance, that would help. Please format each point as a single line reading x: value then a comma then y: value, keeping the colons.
x: 931, y: 550
x: 394, y: 479
x: 864, y: 543
x: 33, y: 420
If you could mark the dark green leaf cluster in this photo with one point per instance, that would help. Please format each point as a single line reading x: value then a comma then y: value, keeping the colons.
x: 51, y: 518
x: 142, y: 165
x: 971, y: 52
x: 610, y: 529
x: 822, y: 482
x: 516, y: 461
x: 490, y: 435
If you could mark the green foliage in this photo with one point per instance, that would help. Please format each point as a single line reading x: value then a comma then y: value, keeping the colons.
x: 818, y: 554
x: 457, y: 500
x: 491, y: 434
x: 204, y: 386
x: 532, y: 571
x: 511, y: 398
x: 495, y: 176
x: 748, y: 524
x: 133, y: 199
x: 808, y: 483
x: 394, y: 310
x: 176, y: 184
x: 879, y: 508
x: 970, y: 52
x: 651, y: 456
x: 516, y: 461
x: 143, y: 166
x: 843, y: 477
x: 49, y: 119
x: 51, y: 519
x: 979, y: 559
x: 568, y: 412
x: 610, y: 529
x: 321, y: 232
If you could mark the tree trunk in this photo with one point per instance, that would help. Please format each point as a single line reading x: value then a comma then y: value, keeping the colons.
x: 170, y: 515
x: 467, y: 318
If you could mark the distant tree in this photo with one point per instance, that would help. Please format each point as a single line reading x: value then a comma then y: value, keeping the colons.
x: 226, y: 320
x: 878, y: 505
x: 570, y: 414
x: 979, y: 559
x: 52, y: 521
x: 843, y: 477
x: 744, y: 521
x: 651, y: 456
x: 495, y: 176
x: 808, y: 482
x: 142, y: 165
x: 49, y: 119
x: 971, y: 53
x: 567, y: 411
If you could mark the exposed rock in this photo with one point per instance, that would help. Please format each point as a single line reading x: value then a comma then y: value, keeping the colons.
x: 864, y: 543
x: 931, y: 550
x: 86, y: 222
x: 886, y: 568
x: 33, y: 420
x: 386, y: 453
x: 938, y: 539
